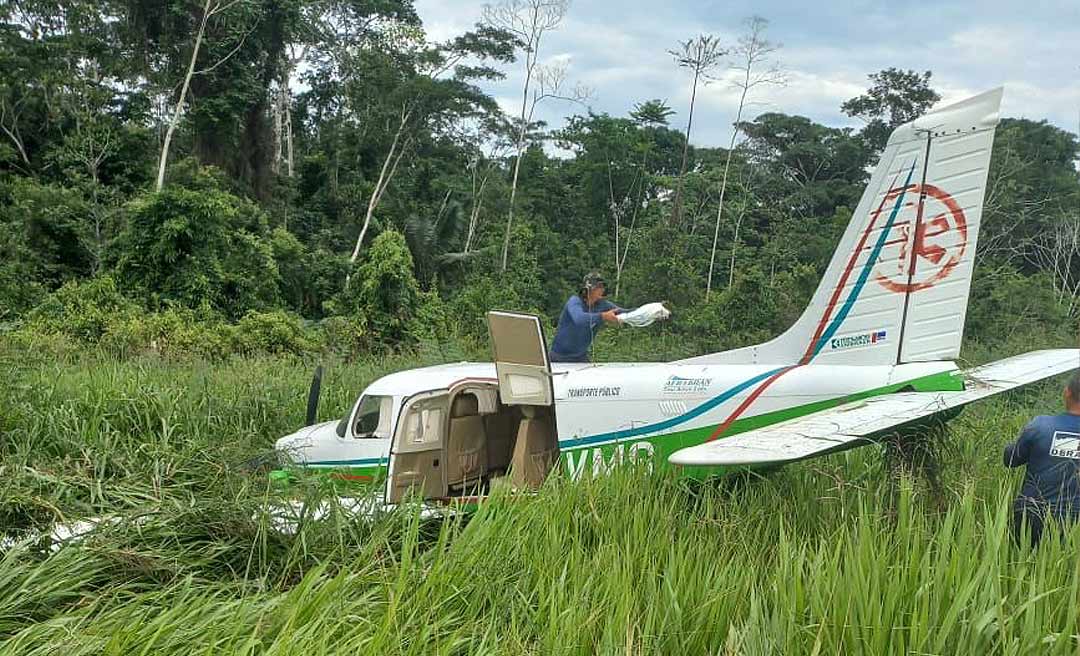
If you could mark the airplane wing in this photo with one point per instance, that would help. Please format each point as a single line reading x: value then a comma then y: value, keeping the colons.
x: 858, y: 422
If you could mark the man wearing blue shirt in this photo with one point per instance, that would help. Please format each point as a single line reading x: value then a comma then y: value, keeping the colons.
x: 582, y: 317
x: 1050, y: 448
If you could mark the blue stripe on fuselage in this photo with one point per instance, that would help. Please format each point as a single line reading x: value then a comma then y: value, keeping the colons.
x: 613, y: 436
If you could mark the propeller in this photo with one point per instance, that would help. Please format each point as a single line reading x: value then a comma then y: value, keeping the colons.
x: 313, y: 396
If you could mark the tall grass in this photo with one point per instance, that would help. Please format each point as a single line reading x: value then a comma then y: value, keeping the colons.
x: 831, y: 556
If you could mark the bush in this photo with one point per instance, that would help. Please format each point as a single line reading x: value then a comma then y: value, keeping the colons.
x: 272, y: 332
x: 384, y: 298
x: 198, y: 249
x: 95, y: 312
x: 307, y: 277
x: 49, y: 229
x: 467, y: 308
x: 1009, y: 308
x: 18, y: 290
x: 344, y: 336
x: 173, y: 333
x: 83, y: 310
x: 742, y: 314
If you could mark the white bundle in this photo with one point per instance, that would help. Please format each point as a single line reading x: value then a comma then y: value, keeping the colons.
x: 645, y: 315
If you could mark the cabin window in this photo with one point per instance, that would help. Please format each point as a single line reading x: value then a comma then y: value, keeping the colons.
x: 373, y: 417
x: 423, y: 425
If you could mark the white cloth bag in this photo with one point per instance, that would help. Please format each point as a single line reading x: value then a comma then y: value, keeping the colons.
x: 645, y: 315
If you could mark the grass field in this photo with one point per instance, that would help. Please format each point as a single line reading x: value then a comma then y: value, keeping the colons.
x: 840, y: 555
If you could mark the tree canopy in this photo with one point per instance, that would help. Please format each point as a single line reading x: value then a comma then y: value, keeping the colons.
x: 331, y: 160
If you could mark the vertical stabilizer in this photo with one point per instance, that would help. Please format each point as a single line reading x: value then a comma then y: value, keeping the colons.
x: 896, y: 289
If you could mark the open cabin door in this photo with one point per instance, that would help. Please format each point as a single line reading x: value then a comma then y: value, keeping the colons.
x: 524, y: 372
x: 521, y: 359
x: 417, y: 447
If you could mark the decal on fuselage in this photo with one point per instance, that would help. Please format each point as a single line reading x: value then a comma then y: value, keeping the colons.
x: 578, y: 461
x: 866, y: 339
x: 684, y: 385
x: 586, y: 392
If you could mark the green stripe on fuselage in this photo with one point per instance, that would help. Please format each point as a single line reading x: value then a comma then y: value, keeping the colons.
x: 601, y: 458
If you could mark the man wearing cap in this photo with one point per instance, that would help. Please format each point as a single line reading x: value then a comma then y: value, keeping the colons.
x: 582, y: 317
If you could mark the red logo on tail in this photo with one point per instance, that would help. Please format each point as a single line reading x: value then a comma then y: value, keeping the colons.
x: 939, y: 244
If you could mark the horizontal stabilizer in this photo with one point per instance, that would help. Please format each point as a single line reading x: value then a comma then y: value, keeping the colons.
x: 857, y: 423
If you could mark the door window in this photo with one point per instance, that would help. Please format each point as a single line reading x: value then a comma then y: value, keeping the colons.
x: 521, y: 360
x: 423, y: 424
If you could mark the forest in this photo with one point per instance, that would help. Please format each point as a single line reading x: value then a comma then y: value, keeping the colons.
x: 285, y: 176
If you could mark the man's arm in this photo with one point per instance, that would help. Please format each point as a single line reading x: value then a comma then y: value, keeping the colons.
x: 608, y: 311
x: 582, y: 317
x: 603, y: 305
x: 1017, y: 453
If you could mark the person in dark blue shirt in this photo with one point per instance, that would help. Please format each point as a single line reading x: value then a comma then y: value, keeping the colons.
x: 582, y: 317
x: 1050, y: 448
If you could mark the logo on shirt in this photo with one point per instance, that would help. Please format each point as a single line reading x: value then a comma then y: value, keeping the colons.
x: 865, y: 339
x: 1065, y: 445
x: 684, y: 385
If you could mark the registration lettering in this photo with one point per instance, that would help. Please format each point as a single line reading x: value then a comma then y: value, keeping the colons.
x: 595, y: 461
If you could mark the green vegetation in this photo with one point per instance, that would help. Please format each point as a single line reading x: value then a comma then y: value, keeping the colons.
x: 332, y: 175
x: 184, y: 234
x: 838, y: 555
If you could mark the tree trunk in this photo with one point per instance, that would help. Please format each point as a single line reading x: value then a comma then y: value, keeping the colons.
x: 288, y: 140
x: 14, y: 136
x: 180, y: 103
x: 734, y: 245
x: 723, y: 188
x: 685, y: 152
x: 719, y: 211
x: 475, y: 214
x: 278, y: 146
x: 92, y: 168
x: 633, y: 220
x: 513, y: 185
x: 510, y: 215
x: 614, y: 219
x: 530, y: 65
x: 388, y: 168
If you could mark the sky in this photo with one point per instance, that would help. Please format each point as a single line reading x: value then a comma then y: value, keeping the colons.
x: 828, y: 47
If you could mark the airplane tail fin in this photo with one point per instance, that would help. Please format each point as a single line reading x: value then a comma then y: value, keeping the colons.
x: 896, y: 289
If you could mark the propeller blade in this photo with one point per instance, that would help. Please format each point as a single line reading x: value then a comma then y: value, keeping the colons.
x: 313, y: 396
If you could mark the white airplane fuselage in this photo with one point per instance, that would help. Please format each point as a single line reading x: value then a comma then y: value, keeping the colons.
x: 609, y: 413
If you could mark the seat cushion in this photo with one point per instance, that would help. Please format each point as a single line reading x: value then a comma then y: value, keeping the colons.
x: 534, y: 451
x: 466, y: 450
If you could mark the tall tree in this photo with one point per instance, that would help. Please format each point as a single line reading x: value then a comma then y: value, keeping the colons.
x: 894, y: 98
x: 755, y: 68
x: 528, y: 21
x: 487, y: 146
x: 435, y: 94
x: 651, y: 116
x: 210, y: 9
x: 700, y: 56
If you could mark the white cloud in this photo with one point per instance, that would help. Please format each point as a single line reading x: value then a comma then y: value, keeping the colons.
x: 620, y: 50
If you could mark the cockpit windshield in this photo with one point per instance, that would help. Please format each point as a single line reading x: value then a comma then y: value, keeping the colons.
x: 373, y: 417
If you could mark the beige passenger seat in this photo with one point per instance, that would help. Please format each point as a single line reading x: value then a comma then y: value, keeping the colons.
x: 501, y: 430
x: 535, y: 449
x: 466, y: 443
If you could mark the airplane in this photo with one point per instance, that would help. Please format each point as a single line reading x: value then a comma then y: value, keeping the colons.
x: 874, y: 351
